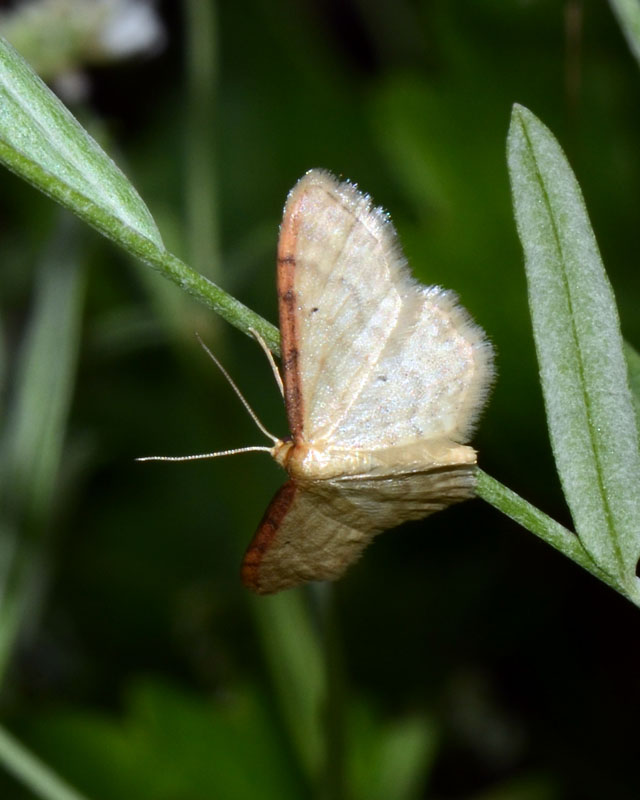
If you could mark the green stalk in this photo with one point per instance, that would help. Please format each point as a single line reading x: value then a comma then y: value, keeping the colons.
x: 200, y: 167
x: 37, y: 776
x: 333, y: 785
x: 537, y: 522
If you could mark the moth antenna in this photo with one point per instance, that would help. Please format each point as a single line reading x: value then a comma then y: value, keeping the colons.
x: 207, y: 455
x: 269, y: 355
x: 250, y: 411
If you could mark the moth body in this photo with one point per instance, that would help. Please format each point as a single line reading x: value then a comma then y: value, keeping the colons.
x: 320, y: 461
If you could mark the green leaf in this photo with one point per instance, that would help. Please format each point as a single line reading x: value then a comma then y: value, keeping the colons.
x: 171, y: 744
x: 36, y: 419
x: 628, y: 14
x: 44, y: 143
x: 30, y: 457
x: 579, y: 346
x: 389, y: 759
x: 633, y: 365
x: 295, y: 660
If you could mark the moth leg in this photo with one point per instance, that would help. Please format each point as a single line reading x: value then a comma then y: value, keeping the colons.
x: 272, y: 363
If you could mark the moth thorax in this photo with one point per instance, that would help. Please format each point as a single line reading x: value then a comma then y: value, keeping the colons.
x: 281, y: 452
x: 317, y: 461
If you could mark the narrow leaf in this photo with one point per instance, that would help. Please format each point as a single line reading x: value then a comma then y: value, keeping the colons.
x: 293, y: 654
x: 36, y: 419
x: 633, y: 366
x: 41, y: 141
x: 406, y: 753
x: 579, y: 345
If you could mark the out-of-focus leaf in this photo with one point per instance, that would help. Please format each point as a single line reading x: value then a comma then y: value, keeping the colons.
x: 579, y: 345
x: 171, y: 744
x: 29, y: 770
x: 628, y: 14
x: 34, y: 428
x: 389, y: 761
x: 202, y: 203
x: 295, y: 659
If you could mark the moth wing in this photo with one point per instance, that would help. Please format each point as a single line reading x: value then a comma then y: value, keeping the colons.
x: 336, y: 300
x: 299, y: 541
x: 362, y: 341
x: 314, y: 531
x: 429, y: 382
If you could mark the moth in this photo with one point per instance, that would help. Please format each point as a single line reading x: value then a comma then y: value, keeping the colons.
x: 383, y: 381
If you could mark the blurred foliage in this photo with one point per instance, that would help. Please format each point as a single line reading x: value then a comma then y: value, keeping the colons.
x: 488, y: 663
x: 170, y: 743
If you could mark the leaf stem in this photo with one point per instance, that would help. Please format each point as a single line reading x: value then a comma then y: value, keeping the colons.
x: 224, y: 304
x: 543, y: 526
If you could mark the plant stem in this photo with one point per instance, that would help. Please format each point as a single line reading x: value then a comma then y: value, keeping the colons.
x: 230, y: 309
x: 334, y: 704
x: 201, y: 46
x: 536, y: 521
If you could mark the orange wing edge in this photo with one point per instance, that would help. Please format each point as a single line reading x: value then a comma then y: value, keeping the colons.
x: 265, y: 535
x: 288, y: 312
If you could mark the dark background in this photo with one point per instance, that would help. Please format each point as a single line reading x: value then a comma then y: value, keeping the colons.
x: 525, y: 667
